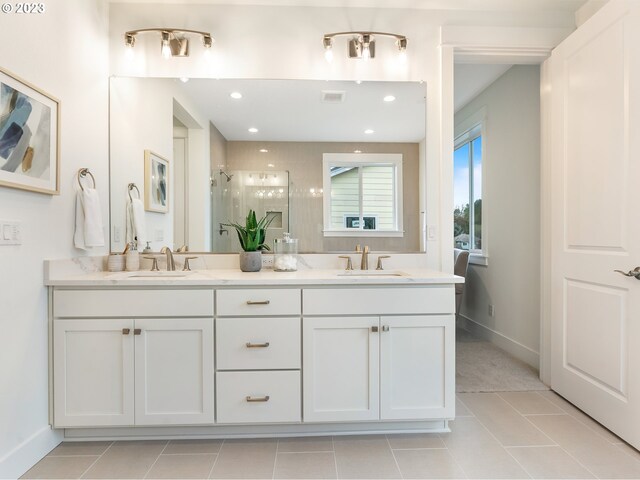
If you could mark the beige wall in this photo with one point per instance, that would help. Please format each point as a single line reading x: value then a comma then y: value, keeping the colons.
x: 304, y: 163
x: 511, y: 211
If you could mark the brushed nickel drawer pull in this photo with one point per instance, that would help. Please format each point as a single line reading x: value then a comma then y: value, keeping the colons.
x: 251, y: 399
x: 257, y: 345
x: 126, y: 331
x: 374, y: 329
x: 262, y: 302
x: 137, y: 331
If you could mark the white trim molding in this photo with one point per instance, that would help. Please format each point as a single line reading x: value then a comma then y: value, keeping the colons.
x: 15, y: 463
x: 518, y: 350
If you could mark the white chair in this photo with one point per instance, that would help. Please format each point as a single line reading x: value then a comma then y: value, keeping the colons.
x: 461, y: 261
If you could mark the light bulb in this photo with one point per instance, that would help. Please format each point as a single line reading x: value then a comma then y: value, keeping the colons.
x: 366, y: 53
x: 328, y: 55
x: 166, y: 49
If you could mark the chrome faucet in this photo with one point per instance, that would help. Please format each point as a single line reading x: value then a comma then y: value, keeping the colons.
x: 171, y: 265
x: 364, y: 264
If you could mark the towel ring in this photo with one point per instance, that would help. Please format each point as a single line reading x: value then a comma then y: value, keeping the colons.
x: 131, y: 187
x: 82, y: 173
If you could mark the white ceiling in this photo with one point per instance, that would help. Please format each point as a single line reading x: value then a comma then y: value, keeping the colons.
x: 470, y: 5
x: 293, y: 111
x: 472, y: 79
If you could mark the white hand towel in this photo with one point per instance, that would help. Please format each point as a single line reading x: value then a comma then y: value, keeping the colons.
x: 89, y: 231
x: 136, y: 229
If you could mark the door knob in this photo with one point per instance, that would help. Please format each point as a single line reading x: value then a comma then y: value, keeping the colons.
x: 631, y: 273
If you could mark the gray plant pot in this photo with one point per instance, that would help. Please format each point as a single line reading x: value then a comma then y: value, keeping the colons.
x: 251, y: 261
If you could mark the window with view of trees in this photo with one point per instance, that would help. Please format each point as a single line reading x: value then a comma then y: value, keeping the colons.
x: 467, y: 191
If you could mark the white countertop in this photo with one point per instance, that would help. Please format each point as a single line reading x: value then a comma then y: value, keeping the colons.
x: 233, y: 277
x: 88, y: 272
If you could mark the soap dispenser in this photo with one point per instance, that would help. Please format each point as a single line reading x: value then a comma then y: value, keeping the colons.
x: 132, y: 259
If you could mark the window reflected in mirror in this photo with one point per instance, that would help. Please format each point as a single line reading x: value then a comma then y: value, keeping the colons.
x: 364, y: 194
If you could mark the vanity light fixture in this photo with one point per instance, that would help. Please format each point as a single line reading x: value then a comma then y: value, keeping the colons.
x: 362, y: 44
x: 173, y: 41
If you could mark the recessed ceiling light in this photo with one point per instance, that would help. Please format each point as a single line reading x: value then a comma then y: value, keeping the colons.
x: 235, y: 95
x: 253, y: 130
x: 368, y: 131
x: 184, y: 79
x: 389, y: 98
x: 357, y: 151
x: 264, y: 150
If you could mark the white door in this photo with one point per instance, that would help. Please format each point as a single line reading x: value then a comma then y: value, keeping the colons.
x: 340, y: 379
x: 93, y: 372
x: 174, y: 371
x: 595, y: 221
x: 416, y: 355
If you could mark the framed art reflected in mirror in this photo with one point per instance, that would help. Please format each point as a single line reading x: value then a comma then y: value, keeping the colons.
x: 156, y: 183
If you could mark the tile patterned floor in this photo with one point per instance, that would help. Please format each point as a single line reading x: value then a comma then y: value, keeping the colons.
x: 495, y: 435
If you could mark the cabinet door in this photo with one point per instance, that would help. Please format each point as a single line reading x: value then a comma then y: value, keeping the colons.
x: 93, y: 372
x: 417, y: 362
x: 340, y: 377
x: 174, y: 371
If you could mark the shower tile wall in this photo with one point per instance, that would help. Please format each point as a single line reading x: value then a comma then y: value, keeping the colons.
x: 303, y: 161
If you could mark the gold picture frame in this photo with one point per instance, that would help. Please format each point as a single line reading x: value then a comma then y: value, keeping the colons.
x: 29, y: 136
x: 156, y: 183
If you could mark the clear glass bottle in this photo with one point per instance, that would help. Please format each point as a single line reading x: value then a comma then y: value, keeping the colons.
x: 285, y: 254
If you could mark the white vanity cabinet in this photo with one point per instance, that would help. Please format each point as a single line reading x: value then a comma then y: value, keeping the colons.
x: 378, y: 367
x: 221, y: 359
x: 93, y: 371
x: 110, y: 371
x: 258, y: 355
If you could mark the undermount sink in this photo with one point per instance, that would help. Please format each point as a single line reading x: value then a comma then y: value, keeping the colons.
x: 150, y: 274
x: 160, y: 274
x: 372, y: 273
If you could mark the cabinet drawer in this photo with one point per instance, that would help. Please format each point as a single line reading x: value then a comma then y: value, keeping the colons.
x: 255, y: 302
x: 258, y: 397
x: 379, y: 301
x: 133, y: 303
x: 258, y: 343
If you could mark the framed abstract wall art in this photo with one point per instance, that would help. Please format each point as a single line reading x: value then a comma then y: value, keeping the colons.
x: 156, y: 183
x: 29, y: 136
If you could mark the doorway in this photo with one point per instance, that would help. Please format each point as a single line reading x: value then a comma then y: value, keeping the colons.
x: 181, y: 176
x: 497, y: 221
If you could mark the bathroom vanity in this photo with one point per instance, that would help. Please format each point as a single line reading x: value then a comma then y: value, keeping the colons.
x: 226, y: 353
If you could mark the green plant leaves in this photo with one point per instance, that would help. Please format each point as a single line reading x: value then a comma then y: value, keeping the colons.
x: 253, y: 233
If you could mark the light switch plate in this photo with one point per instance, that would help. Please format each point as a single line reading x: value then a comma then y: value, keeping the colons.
x: 10, y: 233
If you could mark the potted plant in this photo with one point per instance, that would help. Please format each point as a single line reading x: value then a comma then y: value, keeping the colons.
x: 252, y: 236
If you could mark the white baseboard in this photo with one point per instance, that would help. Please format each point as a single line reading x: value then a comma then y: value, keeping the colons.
x: 28, y: 453
x: 516, y: 349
